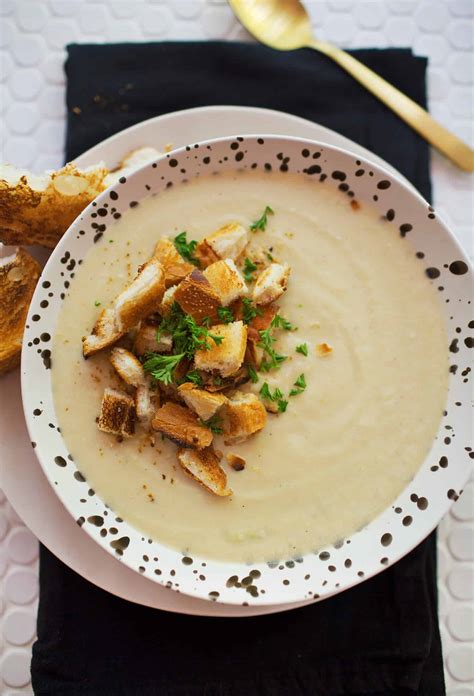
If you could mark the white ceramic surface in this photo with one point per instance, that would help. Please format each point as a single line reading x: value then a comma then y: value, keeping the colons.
x: 439, y: 29
x: 415, y: 512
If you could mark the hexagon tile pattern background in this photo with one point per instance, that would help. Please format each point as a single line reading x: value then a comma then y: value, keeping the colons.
x: 33, y: 34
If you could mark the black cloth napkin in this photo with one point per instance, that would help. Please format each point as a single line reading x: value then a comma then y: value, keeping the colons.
x: 378, y: 638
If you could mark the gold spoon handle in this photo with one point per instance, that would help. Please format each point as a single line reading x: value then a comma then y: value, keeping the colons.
x: 419, y: 119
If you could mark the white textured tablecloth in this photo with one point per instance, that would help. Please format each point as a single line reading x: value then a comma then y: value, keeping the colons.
x: 33, y: 34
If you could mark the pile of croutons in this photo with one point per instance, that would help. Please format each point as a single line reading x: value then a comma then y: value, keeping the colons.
x: 193, y: 320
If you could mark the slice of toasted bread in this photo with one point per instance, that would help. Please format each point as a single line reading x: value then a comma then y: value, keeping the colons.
x: 181, y: 426
x: 226, y: 280
x: 243, y: 415
x: 128, y: 367
x: 176, y: 268
x: 228, y: 242
x: 39, y: 209
x: 271, y: 283
x: 227, y: 356
x: 19, y: 274
x: 204, y: 467
x: 142, y: 296
x: 202, y: 402
x: 146, y: 342
x: 104, y: 333
x: 117, y: 413
x: 196, y: 297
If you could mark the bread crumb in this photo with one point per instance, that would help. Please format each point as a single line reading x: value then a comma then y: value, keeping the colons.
x: 323, y: 350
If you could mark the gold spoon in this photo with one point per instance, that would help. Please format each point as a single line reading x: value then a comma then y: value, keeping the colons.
x: 285, y: 25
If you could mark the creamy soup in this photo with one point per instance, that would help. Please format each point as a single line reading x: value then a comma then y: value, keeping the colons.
x: 347, y: 445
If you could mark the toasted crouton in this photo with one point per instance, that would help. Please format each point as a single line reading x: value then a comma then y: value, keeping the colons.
x: 203, y: 403
x: 226, y: 280
x: 18, y: 277
x: 204, y: 467
x: 227, y: 356
x: 243, y: 415
x: 271, y: 283
x: 181, y: 426
x: 146, y: 341
x: 196, y: 297
x: 227, y: 243
x: 128, y: 367
x: 145, y: 404
x: 142, y: 296
x: 205, y: 254
x: 104, y: 333
x: 117, y: 413
x: 175, y: 267
x: 168, y: 301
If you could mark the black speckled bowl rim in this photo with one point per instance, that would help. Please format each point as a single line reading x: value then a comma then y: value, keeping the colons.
x: 420, y: 506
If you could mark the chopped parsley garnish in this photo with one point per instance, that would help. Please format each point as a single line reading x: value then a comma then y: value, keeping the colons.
x: 194, y: 377
x: 279, y: 322
x: 249, y: 270
x: 262, y: 221
x: 303, y: 349
x: 217, y: 381
x: 250, y: 310
x: 187, y: 335
x: 252, y: 373
x: 277, y: 396
x: 97, y: 303
x: 225, y: 314
x: 301, y: 384
x: 265, y: 393
x: 275, y: 359
x: 214, y: 424
x: 269, y: 256
x: 161, y: 367
x: 186, y: 249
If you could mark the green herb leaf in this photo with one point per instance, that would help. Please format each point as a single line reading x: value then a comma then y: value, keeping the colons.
x: 301, y: 384
x: 279, y: 322
x: 186, y: 249
x: 262, y: 221
x: 282, y: 404
x: 265, y: 393
x: 187, y: 335
x: 161, y: 367
x: 270, y: 257
x: 97, y: 303
x: 275, y: 359
x: 250, y: 310
x: 194, y: 377
x: 249, y: 270
x: 303, y: 349
x: 225, y: 314
x: 217, y: 381
x: 252, y: 373
x: 214, y: 424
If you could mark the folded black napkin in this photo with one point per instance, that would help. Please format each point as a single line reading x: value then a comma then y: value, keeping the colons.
x: 378, y: 638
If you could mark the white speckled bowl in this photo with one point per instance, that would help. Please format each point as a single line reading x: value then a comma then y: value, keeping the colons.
x: 411, y: 516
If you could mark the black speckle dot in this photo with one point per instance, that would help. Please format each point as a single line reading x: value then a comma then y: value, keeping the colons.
x: 96, y: 520
x: 458, y: 267
x: 386, y: 539
x: 234, y: 146
x: 239, y: 156
x: 443, y: 462
x: 114, y: 195
x: 79, y: 477
x: 452, y: 495
x: 432, y: 273
x: 36, y: 317
x: 80, y: 521
x: 338, y: 175
x: 45, y: 337
x: 453, y: 346
x: 406, y: 521
x: 405, y: 228
x: 324, y: 555
x: 186, y: 560
x: 384, y: 184
x: 206, y: 160
x: 173, y: 162
x: 360, y: 172
x: 347, y: 563
x: 469, y: 342
x: 60, y: 461
x: 420, y: 255
x: 422, y: 503
x: 314, y: 169
x: 37, y: 412
x: 260, y: 141
x: 133, y: 204
x: 305, y: 152
x: 390, y: 215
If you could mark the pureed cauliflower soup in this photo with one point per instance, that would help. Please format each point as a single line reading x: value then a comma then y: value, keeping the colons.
x: 376, y: 374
